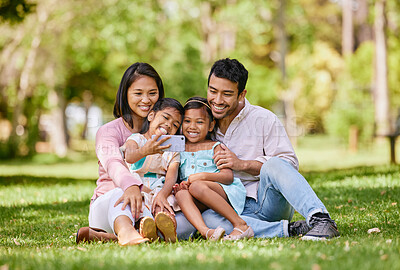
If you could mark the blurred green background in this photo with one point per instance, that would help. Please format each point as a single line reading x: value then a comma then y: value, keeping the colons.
x: 326, y: 68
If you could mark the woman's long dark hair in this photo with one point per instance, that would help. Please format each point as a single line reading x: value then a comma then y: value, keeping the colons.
x: 135, y: 71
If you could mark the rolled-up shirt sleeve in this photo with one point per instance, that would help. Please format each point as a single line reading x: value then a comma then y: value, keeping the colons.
x: 109, y: 155
x: 277, y: 144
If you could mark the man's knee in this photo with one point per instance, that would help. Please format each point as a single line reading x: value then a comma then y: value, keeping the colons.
x: 273, y: 166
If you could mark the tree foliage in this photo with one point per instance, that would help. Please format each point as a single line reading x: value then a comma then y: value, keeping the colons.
x: 80, y: 50
x: 15, y: 11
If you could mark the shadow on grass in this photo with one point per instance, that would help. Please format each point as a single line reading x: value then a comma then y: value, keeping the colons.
x: 311, y: 176
x: 353, y: 207
x: 42, y: 223
x: 42, y: 181
x: 66, y: 208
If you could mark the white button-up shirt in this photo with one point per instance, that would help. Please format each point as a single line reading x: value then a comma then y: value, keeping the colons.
x: 257, y: 134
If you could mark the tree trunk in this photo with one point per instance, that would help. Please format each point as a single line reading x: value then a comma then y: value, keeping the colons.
x: 209, y: 28
x: 57, y: 129
x: 57, y: 133
x: 218, y: 38
x: 363, y: 29
x: 288, y: 96
x: 381, y: 91
x: 353, y: 139
x: 24, y: 87
x: 87, y: 103
x: 347, y: 27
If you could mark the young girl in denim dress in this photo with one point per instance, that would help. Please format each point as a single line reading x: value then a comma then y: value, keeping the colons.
x: 203, y: 186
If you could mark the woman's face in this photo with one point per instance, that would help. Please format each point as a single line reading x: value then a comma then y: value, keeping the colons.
x: 142, y: 95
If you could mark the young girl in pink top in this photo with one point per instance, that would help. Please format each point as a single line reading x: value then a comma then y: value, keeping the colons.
x: 117, y: 199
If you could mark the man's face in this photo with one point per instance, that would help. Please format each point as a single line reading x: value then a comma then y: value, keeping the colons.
x: 222, y: 95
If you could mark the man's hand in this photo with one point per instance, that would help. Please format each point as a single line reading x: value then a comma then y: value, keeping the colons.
x: 133, y: 197
x: 226, y: 159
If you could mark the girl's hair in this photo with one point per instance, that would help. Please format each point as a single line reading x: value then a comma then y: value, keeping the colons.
x: 198, y: 103
x: 160, y: 105
x: 135, y: 71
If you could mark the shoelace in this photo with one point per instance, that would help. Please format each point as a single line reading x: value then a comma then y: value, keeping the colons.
x: 298, y: 228
x: 319, y: 224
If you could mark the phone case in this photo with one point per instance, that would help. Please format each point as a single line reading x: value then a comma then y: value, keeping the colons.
x: 177, y: 142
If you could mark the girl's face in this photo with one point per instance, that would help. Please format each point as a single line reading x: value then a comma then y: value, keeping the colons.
x: 142, y: 95
x: 166, y: 121
x: 196, y: 125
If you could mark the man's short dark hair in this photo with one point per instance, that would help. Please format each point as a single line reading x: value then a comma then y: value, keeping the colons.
x: 232, y: 70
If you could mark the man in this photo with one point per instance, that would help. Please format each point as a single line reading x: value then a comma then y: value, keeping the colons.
x: 259, y: 152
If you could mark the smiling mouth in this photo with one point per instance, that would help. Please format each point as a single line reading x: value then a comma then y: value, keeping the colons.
x: 163, y: 130
x: 192, y: 134
x: 144, y: 108
x: 218, y: 108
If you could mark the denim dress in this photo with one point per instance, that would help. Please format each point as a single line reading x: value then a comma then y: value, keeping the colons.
x: 202, y: 161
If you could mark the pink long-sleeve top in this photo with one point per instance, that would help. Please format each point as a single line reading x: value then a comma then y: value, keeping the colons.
x: 113, y: 171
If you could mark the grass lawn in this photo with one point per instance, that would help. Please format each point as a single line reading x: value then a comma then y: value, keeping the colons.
x: 43, y: 202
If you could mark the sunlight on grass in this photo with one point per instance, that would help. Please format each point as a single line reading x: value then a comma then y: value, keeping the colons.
x: 44, y: 202
x: 324, y: 153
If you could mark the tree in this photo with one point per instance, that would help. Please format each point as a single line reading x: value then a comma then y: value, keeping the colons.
x: 381, y: 91
x: 15, y: 11
x: 347, y: 27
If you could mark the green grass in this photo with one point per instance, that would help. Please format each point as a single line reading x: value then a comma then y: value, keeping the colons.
x: 43, y: 202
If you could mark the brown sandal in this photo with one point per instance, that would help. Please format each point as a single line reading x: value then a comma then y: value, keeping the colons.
x: 166, y: 225
x: 87, y: 234
x: 148, y: 229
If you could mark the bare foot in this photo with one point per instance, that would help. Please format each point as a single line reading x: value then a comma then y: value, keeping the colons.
x: 178, y: 187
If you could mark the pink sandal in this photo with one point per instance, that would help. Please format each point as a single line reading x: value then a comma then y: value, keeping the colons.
x: 217, y: 235
x: 249, y: 233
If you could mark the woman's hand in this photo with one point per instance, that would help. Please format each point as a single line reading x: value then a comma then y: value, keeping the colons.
x: 132, y: 197
x: 160, y: 202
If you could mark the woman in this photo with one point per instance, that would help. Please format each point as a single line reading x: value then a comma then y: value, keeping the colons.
x: 117, y: 199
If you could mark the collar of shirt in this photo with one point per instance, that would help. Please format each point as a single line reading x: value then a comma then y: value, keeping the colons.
x: 241, y: 115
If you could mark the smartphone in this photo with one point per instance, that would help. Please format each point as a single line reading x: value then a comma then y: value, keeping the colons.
x: 177, y: 142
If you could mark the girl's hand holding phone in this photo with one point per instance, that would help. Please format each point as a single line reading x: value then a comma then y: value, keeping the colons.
x: 152, y: 146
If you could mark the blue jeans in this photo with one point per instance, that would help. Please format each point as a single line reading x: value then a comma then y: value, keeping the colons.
x: 281, y: 190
